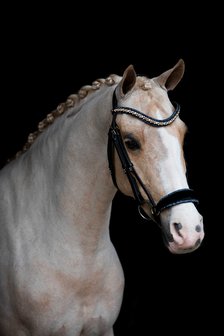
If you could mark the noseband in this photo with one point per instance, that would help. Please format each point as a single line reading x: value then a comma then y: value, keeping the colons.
x: 115, y: 141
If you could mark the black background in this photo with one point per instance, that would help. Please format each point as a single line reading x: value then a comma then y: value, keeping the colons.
x: 49, y: 53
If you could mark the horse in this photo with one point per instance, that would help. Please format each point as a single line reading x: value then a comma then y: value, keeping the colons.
x: 60, y: 272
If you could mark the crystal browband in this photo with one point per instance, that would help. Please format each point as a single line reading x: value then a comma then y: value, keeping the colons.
x: 148, y: 120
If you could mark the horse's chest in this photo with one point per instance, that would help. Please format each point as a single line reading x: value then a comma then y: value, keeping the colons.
x: 74, y: 304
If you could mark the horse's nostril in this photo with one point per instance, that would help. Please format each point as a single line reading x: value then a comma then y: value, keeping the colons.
x: 198, y: 228
x: 177, y: 226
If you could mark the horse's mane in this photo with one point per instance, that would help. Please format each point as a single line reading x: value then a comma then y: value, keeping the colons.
x: 71, y: 101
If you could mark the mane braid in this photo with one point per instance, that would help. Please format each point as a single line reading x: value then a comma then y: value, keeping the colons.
x: 71, y: 101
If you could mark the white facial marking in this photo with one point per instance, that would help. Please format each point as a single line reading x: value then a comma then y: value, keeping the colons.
x: 171, y: 166
x: 182, y: 222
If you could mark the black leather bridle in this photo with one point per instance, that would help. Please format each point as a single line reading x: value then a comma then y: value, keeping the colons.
x: 115, y: 142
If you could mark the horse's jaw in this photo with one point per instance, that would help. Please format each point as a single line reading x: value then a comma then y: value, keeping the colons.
x: 182, y: 228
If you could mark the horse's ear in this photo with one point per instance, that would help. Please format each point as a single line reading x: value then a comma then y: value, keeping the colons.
x: 127, y: 82
x: 170, y: 78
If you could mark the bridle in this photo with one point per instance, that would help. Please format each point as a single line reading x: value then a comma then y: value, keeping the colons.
x: 115, y: 142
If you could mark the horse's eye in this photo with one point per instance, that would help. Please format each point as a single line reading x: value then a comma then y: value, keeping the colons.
x: 132, y: 144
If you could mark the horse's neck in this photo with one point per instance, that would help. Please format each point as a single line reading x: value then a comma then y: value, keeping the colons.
x: 87, y: 186
x: 64, y: 180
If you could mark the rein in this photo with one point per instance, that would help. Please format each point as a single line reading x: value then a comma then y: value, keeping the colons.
x: 115, y: 142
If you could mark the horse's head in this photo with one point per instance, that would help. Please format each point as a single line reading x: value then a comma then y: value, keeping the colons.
x: 149, y: 162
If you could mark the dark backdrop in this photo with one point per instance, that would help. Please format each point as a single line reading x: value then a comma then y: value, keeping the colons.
x: 49, y: 54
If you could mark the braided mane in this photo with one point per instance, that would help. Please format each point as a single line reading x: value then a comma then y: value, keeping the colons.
x: 71, y: 101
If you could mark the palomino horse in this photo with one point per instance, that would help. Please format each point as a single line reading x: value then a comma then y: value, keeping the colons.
x: 60, y: 273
